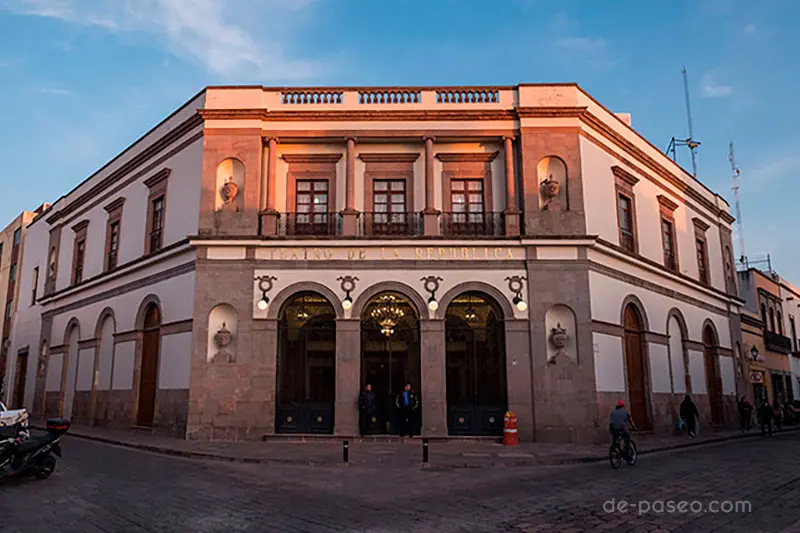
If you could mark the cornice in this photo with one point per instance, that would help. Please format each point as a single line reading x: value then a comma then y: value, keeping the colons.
x: 114, y: 205
x: 389, y: 157
x: 80, y: 226
x: 700, y: 224
x: 157, y: 178
x: 624, y: 175
x: 666, y: 203
x: 469, y: 157
x: 311, y: 158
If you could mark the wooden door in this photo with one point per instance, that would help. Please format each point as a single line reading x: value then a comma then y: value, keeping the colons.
x: 713, y: 381
x: 634, y: 359
x: 148, y: 377
x: 19, y: 381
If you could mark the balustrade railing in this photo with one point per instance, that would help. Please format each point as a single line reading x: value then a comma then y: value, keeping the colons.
x: 477, y: 95
x: 389, y: 96
x: 473, y: 224
x: 308, y: 224
x: 389, y: 224
x: 777, y: 343
x: 311, y: 96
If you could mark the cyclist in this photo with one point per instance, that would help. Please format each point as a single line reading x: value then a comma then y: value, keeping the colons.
x: 618, y: 425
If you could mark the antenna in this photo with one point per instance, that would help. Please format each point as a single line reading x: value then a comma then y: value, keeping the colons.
x: 689, y: 141
x: 736, y: 172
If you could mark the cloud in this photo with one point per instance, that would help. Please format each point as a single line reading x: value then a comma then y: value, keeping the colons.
x: 750, y: 29
x: 711, y: 88
x: 55, y: 91
x: 776, y: 169
x: 593, y: 50
x: 231, y: 39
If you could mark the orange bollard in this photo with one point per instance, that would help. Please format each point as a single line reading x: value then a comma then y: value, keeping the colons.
x: 510, y: 434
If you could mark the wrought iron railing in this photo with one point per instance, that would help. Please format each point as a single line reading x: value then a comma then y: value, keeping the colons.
x: 308, y: 224
x: 389, y: 224
x: 473, y: 224
x: 777, y: 342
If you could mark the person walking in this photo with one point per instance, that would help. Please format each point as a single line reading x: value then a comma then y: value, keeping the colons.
x: 745, y: 414
x: 406, y: 406
x: 367, y: 407
x: 765, y: 418
x: 777, y: 415
x: 689, y: 414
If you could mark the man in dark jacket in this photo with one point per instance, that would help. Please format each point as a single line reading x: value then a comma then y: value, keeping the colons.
x: 367, y: 408
x: 407, y: 404
x: 689, y: 414
x: 745, y: 414
x: 765, y: 418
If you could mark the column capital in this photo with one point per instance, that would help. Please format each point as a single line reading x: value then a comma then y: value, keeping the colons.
x: 273, y: 140
x: 427, y: 138
x: 350, y: 138
x: 509, y: 137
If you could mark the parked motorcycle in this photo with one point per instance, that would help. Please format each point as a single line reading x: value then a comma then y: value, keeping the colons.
x: 23, y: 455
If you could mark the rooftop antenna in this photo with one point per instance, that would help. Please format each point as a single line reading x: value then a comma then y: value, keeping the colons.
x: 689, y: 141
x: 736, y: 172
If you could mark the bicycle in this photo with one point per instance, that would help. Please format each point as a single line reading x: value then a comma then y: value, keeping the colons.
x: 617, y: 453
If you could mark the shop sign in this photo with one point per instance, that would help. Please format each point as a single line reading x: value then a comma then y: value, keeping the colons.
x: 756, y: 377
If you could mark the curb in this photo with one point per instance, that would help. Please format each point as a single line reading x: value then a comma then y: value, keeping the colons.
x: 173, y: 452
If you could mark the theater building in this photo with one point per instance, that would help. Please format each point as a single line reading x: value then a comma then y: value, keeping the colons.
x: 247, y: 266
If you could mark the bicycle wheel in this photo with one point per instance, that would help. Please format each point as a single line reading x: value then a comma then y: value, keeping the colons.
x: 634, y: 454
x: 614, y: 456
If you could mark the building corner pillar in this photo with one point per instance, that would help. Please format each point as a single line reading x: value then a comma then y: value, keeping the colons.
x: 434, y: 382
x: 348, y: 377
x: 350, y: 215
x: 511, y: 213
x: 430, y: 215
x: 268, y: 218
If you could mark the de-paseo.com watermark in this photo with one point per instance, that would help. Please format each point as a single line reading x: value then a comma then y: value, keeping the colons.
x: 643, y: 507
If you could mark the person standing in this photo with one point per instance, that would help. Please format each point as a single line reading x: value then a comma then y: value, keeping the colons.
x: 367, y: 407
x: 745, y: 414
x: 689, y: 414
x: 406, y: 404
x: 765, y: 418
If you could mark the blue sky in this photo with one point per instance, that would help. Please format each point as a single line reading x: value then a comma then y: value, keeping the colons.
x: 82, y: 79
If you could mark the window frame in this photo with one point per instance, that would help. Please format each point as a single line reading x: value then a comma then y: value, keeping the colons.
x: 624, y: 183
x: 667, y: 209
x: 79, y: 246
x: 313, y: 215
x: 35, y: 284
x: 157, y: 186
x: 700, y: 229
x: 114, y: 210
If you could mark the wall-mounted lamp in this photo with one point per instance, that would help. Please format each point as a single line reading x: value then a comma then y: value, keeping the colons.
x: 265, y: 284
x: 754, y: 353
x: 348, y: 285
x: 515, y: 285
x: 431, y: 284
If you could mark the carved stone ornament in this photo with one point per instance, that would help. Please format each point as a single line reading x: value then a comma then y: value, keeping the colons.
x: 229, y: 191
x: 550, y: 188
x: 223, y: 339
x: 559, y: 338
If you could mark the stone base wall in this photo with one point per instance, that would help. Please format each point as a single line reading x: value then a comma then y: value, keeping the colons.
x: 52, y: 401
x: 172, y: 411
x: 115, y: 409
x: 664, y: 413
x: 81, y: 408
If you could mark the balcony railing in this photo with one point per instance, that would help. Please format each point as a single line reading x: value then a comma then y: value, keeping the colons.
x: 777, y: 343
x: 309, y: 224
x: 389, y: 224
x: 473, y: 224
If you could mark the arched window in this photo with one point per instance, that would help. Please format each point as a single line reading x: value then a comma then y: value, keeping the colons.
x: 764, y: 315
x: 780, y: 323
x: 771, y: 320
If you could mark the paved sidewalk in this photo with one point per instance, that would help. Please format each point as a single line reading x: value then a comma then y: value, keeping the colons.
x: 459, y: 453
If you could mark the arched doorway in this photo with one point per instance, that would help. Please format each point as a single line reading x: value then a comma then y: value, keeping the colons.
x: 148, y: 376
x: 713, y: 381
x: 635, y: 364
x: 476, y: 366
x: 390, y: 356
x: 306, y: 380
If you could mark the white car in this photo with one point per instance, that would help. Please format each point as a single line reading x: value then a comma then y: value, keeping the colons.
x: 11, y: 417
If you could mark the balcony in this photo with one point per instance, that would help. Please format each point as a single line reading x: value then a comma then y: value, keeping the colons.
x: 389, y: 224
x: 777, y: 343
x: 309, y: 224
x: 473, y: 224
x: 401, y: 97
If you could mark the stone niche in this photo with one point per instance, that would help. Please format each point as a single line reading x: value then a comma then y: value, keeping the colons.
x: 223, y: 325
x: 229, y: 185
x: 552, y: 179
x: 562, y: 345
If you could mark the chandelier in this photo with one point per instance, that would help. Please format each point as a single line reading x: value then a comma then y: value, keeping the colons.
x: 387, y: 313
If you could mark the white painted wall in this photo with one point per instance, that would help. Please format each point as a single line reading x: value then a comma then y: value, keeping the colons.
x: 676, y: 356
x: 609, y: 366
x: 175, y: 361
x: 124, y: 357
x: 728, y: 375
x: 697, y: 371
x: 659, y: 367
x: 85, y: 370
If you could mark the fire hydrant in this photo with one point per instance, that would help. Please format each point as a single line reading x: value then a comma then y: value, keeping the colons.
x: 510, y: 434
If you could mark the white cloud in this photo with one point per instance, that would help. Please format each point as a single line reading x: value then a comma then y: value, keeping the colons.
x: 231, y: 38
x: 593, y: 50
x: 711, y: 88
x: 776, y: 169
x: 55, y: 91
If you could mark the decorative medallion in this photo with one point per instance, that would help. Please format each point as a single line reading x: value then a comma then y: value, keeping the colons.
x: 223, y: 339
x: 229, y: 191
x: 559, y: 338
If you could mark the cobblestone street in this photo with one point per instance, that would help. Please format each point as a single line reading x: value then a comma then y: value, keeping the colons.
x: 98, y: 487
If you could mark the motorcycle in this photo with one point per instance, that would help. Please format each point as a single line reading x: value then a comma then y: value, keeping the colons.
x: 24, y: 455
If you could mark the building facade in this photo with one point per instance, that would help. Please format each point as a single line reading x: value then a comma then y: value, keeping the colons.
x: 252, y: 262
x: 766, y: 341
x: 790, y: 295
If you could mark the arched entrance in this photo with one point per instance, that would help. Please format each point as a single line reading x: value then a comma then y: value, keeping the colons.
x: 148, y: 376
x: 306, y: 380
x: 713, y: 381
x: 476, y: 366
x: 635, y: 364
x: 390, y: 356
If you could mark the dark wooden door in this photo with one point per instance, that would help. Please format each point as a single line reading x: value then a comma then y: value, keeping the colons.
x: 148, y: 380
x: 714, y: 383
x: 19, y: 381
x: 634, y: 359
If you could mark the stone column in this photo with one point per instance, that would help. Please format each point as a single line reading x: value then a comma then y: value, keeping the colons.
x: 349, y: 215
x: 430, y: 214
x: 434, y: 374
x: 269, y: 217
x: 511, y: 213
x: 348, y: 377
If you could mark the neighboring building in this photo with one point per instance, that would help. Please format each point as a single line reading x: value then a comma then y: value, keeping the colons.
x: 791, y: 304
x: 248, y: 265
x: 12, y: 240
x: 766, y: 346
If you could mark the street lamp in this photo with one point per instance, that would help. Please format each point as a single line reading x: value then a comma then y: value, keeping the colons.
x: 754, y: 353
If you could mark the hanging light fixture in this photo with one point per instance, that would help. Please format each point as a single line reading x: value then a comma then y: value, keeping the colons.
x: 469, y: 313
x: 387, y: 313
